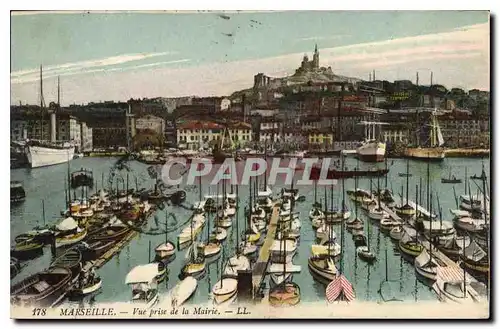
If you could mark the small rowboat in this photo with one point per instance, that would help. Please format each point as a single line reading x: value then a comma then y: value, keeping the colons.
x: 28, y: 249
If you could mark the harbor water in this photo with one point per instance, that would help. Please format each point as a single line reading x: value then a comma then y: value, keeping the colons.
x: 48, y: 184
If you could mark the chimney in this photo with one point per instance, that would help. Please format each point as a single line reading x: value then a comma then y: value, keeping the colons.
x: 417, y: 79
x: 373, y: 75
x: 370, y: 77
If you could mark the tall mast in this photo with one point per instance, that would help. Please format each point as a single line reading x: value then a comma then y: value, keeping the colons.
x: 58, y: 92
x: 407, y: 180
x: 41, y: 103
x: 342, y: 224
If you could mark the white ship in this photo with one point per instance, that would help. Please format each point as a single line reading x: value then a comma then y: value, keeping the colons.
x: 47, y: 154
x: 43, y: 153
x: 372, y: 149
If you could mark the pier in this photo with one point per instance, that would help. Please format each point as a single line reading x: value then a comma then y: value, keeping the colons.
x: 448, y: 270
x: 260, y: 268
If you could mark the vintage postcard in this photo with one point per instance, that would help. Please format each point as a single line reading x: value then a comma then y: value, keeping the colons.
x: 250, y: 165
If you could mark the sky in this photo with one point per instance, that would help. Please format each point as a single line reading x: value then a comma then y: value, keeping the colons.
x: 118, y: 56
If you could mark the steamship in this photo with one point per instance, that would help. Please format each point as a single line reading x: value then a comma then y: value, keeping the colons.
x: 372, y: 149
x: 41, y: 153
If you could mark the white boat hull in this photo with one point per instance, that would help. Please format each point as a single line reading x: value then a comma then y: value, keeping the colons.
x: 39, y: 156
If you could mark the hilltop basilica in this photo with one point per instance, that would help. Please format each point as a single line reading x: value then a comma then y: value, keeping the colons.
x: 311, y: 66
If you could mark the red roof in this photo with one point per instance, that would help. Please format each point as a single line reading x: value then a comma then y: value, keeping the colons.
x: 200, y: 125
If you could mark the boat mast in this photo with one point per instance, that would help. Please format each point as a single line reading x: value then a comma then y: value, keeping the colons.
x: 342, y: 224
x: 166, y: 227
x: 237, y: 227
x: 407, y: 179
x: 41, y: 103
x: 428, y: 184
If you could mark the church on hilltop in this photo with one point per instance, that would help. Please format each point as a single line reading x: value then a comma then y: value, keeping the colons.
x: 312, y: 66
x: 307, y: 65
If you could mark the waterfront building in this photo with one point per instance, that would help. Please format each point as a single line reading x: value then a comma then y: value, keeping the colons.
x: 216, y: 104
x: 461, y: 129
x: 151, y: 123
x: 241, y: 133
x: 194, y: 135
x: 320, y: 138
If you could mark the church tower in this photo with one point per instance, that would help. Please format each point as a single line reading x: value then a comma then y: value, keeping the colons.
x: 316, y: 57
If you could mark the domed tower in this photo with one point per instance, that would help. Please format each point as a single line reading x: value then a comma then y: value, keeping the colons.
x: 316, y: 57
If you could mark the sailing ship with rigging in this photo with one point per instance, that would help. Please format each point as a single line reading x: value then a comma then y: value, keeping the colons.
x: 44, y: 152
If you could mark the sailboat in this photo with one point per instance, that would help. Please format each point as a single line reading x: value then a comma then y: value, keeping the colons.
x: 195, y: 255
x: 316, y: 213
x: 43, y: 152
x: 409, y: 244
x: 435, y: 152
x: 451, y: 179
x: 364, y: 252
x: 287, y: 293
x: 475, y: 258
x: 340, y: 289
x: 238, y: 262
x: 226, y: 288
x: 212, y: 247
x: 165, y: 252
x: 378, y: 213
x: 406, y: 209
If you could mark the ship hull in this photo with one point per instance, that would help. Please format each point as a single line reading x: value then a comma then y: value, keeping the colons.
x: 371, y: 152
x: 432, y: 154
x: 39, y: 156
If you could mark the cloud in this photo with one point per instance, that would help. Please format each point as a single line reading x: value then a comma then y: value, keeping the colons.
x: 457, y: 58
x: 327, y: 37
x: 82, y: 67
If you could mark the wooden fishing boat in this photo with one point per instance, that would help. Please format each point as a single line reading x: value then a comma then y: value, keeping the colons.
x: 129, y: 213
x: 95, y: 248
x: 212, y: 249
x: 451, y: 179
x: 162, y: 271
x: 406, y: 210
x: 356, y: 224
x: 71, y: 259
x: 219, y: 234
x: 224, y: 289
x: 235, y: 264
x: 286, y: 294
x: 280, y: 278
x: 378, y: 214
x: 40, y: 235
x: 386, y: 224
x: 88, y: 287
x: 475, y: 258
x: 196, y: 263
x: 365, y: 254
x: 452, y: 291
x: 15, y: 267
x: 322, y: 268
x: 143, y: 281
x: 396, y: 233
x: 164, y: 251
x: 426, y: 266
x: 68, y: 232
x: 82, y: 177
x: 27, y: 249
x: 182, y: 291
x: 17, y: 193
x: 410, y: 247
x: 42, y: 289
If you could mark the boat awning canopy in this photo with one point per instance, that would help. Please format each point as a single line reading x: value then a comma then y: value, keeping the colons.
x: 67, y: 224
x: 142, y: 274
